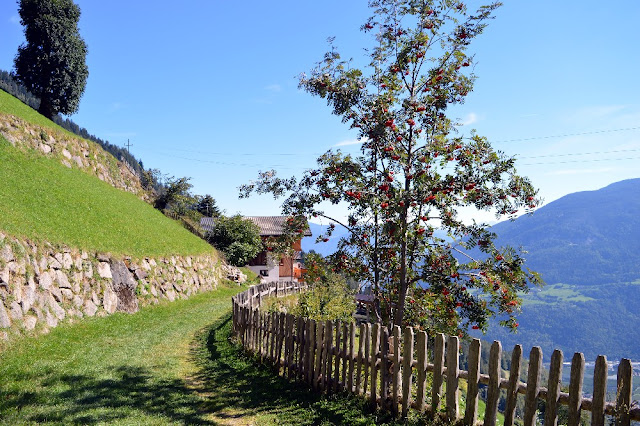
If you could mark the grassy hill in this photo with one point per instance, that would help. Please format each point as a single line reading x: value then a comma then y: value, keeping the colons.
x: 42, y: 199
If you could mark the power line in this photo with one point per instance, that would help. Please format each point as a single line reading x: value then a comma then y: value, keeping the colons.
x: 595, y: 132
x: 580, y: 153
x: 581, y: 161
x: 289, y: 154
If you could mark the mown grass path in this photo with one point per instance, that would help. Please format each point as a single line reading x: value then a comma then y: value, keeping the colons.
x: 168, y: 364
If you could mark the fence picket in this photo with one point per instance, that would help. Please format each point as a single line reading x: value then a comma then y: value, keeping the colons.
x: 493, y: 393
x: 599, y: 391
x: 318, y: 354
x: 272, y: 340
x: 384, y: 368
x: 361, y: 360
x: 280, y: 339
x: 407, y: 362
x: 453, y: 351
x: 375, y: 351
x: 623, y: 400
x: 367, y: 357
x: 512, y: 389
x: 553, y: 389
x: 311, y: 344
x: 336, y: 367
x: 533, y: 386
x: 438, y: 368
x: 326, y: 355
x: 575, y: 388
x: 422, y: 370
x: 471, y: 411
x: 345, y: 357
x: 352, y: 348
x: 395, y: 375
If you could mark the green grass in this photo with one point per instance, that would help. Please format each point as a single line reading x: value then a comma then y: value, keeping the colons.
x: 167, y: 364
x: 556, y: 293
x: 43, y: 200
x: 125, y: 369
x: 13, y: 106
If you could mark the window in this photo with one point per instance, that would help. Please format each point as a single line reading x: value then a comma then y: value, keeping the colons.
x: 264, y: 272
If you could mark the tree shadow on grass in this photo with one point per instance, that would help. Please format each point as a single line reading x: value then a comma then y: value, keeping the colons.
x: 227, y: 385
x: 133, y: 393
x: 235, y: 380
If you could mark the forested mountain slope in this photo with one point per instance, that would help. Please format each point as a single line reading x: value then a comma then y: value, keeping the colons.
x: 584, y: 238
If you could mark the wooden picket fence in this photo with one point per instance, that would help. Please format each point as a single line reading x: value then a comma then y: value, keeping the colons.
x: 390, y: 367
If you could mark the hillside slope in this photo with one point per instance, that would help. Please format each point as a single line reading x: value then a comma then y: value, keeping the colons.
x: 585, y: 238
x: 76, y: 238
x: 62, y: 189
x: 587, y: 249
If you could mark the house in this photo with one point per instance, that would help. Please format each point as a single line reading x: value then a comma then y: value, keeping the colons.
x: 266, y: 264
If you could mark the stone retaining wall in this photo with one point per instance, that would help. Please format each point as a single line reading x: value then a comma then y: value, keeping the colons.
x: 72, y: 151
x: 42, y: 285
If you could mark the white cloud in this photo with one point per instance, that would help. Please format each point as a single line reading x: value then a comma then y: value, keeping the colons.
x: 273, y: 88
x: 116, y: 106
x: 594, y: 115
x: 351, y: 142
x: 471, y: 118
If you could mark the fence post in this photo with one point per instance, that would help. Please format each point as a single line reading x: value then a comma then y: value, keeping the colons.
x: 553, y: 389
x: 471, y: 411
x: 533, y: 386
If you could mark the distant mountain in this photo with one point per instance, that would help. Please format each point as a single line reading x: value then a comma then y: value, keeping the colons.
x: 586, y: 245
x: 584, y: 238
x: 325, y: 249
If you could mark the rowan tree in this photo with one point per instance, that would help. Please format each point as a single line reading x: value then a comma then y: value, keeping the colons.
x: 415, y: 171
x: 52, y: 63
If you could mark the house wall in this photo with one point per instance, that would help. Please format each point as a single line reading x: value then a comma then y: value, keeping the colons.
x: 273, y: 272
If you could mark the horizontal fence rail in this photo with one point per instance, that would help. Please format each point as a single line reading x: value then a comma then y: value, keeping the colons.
x: 393, y: 368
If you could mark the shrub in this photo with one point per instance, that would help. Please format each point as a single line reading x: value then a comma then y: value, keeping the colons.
x: 238, y: 238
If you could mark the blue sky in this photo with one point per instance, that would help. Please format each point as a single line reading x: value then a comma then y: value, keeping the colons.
x: 208, y: 89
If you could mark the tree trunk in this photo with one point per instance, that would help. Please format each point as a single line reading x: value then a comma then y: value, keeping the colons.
x: 46, y: 108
